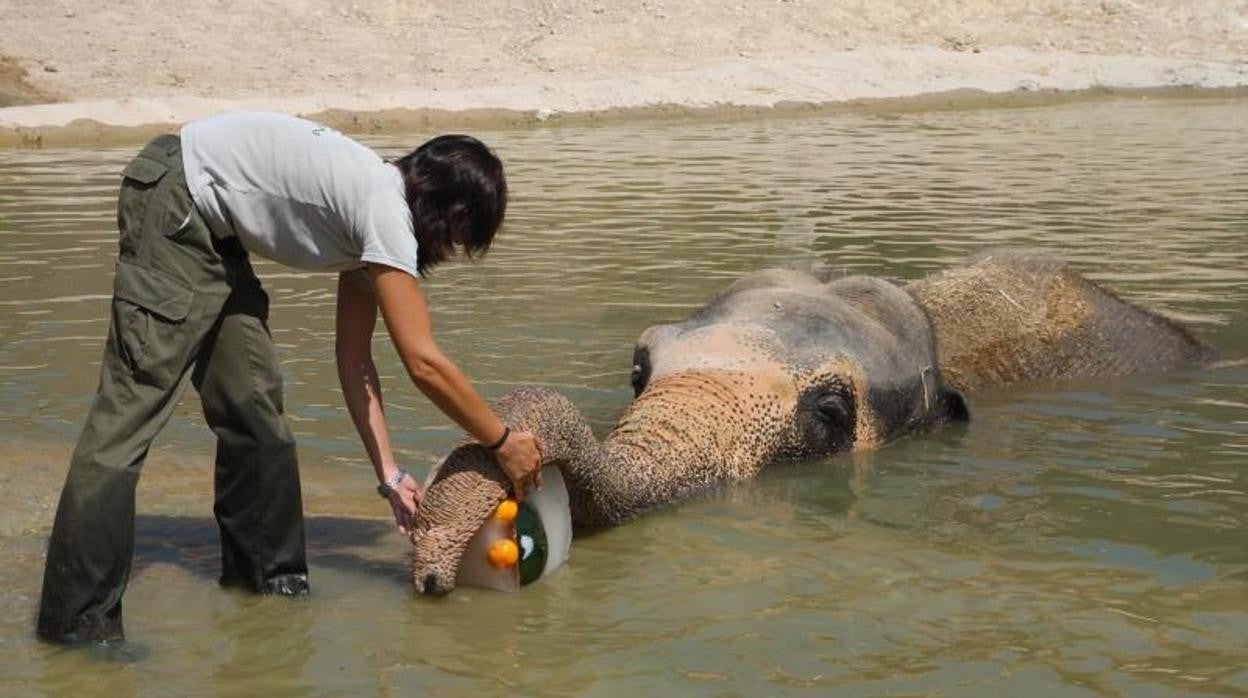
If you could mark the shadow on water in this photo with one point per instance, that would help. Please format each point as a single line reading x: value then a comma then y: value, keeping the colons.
x: 193, y: 544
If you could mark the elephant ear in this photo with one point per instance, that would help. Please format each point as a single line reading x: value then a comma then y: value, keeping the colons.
x: 953, y: 405
x: 950, y: 405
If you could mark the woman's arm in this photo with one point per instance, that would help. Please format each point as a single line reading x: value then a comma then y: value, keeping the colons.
x: 361, y: 388
x: 406, y: 315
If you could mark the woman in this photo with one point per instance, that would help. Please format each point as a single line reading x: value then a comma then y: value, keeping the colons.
x: 185, y: 299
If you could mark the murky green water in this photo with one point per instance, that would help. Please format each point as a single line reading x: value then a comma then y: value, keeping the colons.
x: 1076, y: 539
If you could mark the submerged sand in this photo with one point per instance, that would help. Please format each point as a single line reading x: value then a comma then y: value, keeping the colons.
x: 92, y: 71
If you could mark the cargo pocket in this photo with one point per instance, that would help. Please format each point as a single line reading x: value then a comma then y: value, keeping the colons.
x: 144, y: 171
x: 139, y: 180
x: 149, y: 311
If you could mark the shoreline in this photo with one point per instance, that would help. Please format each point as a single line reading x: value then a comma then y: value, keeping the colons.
x: 889, y: 80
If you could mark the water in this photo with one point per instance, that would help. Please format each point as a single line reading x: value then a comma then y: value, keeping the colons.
x: 1071, y: 540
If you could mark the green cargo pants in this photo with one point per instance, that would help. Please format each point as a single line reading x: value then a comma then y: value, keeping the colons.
x: 183, y: 302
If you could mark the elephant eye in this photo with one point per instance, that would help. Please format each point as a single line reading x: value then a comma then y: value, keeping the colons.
x: 833, y: 408
x: 826, y: 418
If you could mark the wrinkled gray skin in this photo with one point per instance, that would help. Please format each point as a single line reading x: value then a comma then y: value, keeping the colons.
x: 788, y: 365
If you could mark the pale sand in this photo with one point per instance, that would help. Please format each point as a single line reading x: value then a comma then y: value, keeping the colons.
x: 124, y: 70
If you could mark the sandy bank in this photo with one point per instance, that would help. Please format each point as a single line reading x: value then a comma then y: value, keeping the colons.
x: 78, y: 71
x: 874, y: 78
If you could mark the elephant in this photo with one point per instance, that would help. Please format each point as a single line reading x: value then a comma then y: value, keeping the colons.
x: 787, y: 365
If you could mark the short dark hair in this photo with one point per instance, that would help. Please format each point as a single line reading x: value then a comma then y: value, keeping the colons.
x: 456, y: 190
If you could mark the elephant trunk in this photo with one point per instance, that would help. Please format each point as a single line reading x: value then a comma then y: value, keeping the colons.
x: 671, y: 443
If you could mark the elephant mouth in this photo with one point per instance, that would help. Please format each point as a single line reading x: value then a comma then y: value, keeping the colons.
x: 435, y: 564
x: 433, y: 585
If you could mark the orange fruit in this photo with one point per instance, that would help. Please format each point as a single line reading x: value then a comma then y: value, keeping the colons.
x: 507, y: 510
x: 503, y: 553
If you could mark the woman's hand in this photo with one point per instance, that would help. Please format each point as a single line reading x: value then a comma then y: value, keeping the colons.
x: 404, y: 498
x: 521, y: 459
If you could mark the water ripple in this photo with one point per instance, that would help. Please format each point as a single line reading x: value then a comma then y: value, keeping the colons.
x: 1089, y: 537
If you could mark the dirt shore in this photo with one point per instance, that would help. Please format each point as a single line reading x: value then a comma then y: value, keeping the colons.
x: 80, y: 71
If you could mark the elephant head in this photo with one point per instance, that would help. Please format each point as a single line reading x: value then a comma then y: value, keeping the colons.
x: 782, y: 365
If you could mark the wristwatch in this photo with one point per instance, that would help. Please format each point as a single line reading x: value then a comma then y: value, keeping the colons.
x: 385, y: 488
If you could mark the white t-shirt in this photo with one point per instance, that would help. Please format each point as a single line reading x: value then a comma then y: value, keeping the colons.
x: 297, y: 192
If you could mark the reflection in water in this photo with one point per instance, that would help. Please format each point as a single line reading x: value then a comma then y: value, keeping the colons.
x: 1079, y: 538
